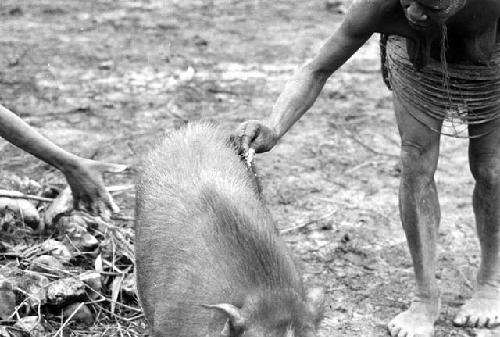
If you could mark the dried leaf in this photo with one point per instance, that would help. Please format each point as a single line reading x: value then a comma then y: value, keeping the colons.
x: 117, y: 284
x: 61, y: 205
x: 98, y: 264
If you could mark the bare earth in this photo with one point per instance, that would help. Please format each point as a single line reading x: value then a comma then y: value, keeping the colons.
x: 106, y: 78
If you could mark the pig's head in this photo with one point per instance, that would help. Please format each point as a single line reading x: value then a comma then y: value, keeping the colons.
x: 283, y: 314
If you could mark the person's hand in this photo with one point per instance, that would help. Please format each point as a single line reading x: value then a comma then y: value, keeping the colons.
x: 87, y: 185
x: 256, y: 135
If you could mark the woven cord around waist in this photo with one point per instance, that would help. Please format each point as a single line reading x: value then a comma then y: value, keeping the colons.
x: 460, y: 95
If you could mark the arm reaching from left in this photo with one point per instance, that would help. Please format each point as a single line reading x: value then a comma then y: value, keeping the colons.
x: 84, y: 176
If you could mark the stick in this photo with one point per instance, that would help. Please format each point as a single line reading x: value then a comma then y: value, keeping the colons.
x: 292, y: 229
x: 120, y: 188
x: 111, y: 189
x: 65, y: 323
x: 357, y: 167
x: 466, y: 280
x: 116, y: 316
x: 378, y: 153
x: 122, y: 217
x: 25, y: 196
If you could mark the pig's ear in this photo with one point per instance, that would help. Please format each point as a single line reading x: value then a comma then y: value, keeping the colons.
x: 316, y: 302
x: 234, y: 317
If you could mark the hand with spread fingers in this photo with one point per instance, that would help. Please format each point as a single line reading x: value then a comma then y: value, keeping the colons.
x: 84, y: 176
x: 87, y: 186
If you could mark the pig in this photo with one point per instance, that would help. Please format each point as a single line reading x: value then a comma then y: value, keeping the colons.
x: 209, y: 260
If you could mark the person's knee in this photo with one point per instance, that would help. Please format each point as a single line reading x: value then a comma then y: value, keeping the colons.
x: 418, y: 163
x: 486, y: 168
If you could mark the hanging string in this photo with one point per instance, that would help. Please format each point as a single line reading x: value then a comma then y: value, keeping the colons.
x: 458, y: 94
x: 383, y: 60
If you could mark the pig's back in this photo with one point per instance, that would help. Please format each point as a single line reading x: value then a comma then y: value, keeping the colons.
x: 202, y: 234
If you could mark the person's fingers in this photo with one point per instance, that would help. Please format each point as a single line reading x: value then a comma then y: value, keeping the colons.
x: 105, y: 214
x: 240, y: 130
x: 251, y: 134
x: 77, y: 199
x: 249, y: 156
x: 244, y: 138
x: 264, y: 142
x: 103, y: 209
x: 90, y: 205
x: 76, y: 202
x: 92, y: 208
x: 245, y: 143
x: 110, y: 167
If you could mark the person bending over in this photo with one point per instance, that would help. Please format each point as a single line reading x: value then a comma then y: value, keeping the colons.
x: 442, y: 60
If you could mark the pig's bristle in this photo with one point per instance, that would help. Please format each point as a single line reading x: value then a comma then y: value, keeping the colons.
x: 203, y: 236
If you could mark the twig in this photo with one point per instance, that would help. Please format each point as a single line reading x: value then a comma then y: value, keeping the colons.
x: 117, y: 236
x: 116, y: 316
x: 120, y: 188
x: 301, y: 226
x: 222, y: 91
x: 28, y: 295
x: 35, y: 252
x: 466, y: 280
x: 111, y: 189
x: 105, y: 299
x: 367, y: 147
x: 357, y: 167
x: 25, y: 196
x: 10, y: 255
x: 122, y: 217
x: 65, y: 323
x: 119, y: 328
x: 352, y: 121
x: 133, y: 318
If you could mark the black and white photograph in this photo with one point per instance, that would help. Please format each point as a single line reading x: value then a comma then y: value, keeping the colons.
x: 249, y: 168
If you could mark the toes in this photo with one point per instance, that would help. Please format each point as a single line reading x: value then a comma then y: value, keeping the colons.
x: 395, y: 331
x: 472, y: 321
x: 403, y: 333
x: 460, y: 320
x: 482, y: 322
x: 493, y: 322
x: 476, y: 321
x: 101, y: 210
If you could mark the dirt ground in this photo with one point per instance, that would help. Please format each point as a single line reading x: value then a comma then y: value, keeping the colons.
x: 106, y: 78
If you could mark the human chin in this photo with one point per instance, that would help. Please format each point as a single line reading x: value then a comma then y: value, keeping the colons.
x: 427, y: 26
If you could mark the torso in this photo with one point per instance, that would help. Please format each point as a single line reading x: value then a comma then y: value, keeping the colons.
x: 473, y: 33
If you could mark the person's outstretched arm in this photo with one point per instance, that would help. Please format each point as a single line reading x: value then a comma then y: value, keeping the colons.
x: 363, y: 19
x: 83, y: 175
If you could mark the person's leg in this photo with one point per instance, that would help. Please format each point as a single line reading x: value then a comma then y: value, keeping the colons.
x: 420, y: 216
x: 484, y: 156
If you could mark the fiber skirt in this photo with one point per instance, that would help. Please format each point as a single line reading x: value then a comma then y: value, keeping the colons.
x: 455, y: 93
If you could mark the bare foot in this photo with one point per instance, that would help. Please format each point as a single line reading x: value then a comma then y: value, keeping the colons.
x: 482, y: 310
x: 417, y: 321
